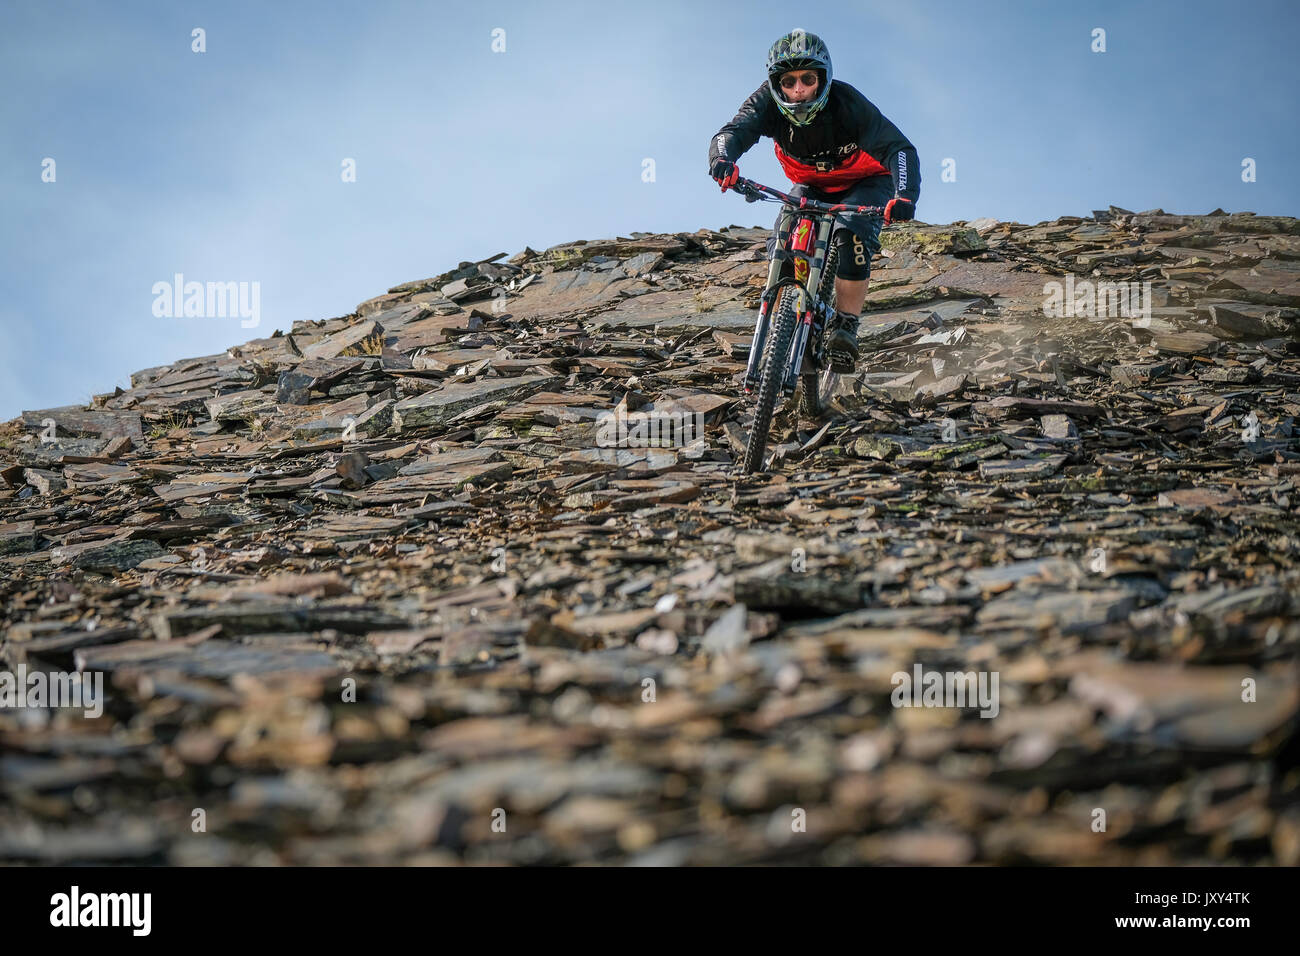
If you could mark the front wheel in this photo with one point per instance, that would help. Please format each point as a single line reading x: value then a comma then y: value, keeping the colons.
x: 771, y: 376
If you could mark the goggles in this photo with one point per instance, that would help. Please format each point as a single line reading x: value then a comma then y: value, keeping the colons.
x: 807, y: 79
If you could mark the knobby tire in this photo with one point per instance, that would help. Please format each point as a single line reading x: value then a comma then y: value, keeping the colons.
x: 771, y: 374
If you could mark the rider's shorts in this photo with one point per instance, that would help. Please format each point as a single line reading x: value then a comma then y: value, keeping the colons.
x: 859, y: 240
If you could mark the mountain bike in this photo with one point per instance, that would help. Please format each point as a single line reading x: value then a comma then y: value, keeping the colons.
x: 788, y: 352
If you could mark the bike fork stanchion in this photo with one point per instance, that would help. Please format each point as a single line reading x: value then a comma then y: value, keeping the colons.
x: 802, y: 330
x: 756, y: 345
x: 771, y: 295
x: 821, y: 247
x: 825, y: 230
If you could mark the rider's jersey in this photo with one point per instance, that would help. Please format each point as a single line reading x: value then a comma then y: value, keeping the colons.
x: 848, y: 141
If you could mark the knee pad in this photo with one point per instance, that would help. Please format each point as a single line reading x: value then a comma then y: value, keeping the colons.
x: 854, y: 257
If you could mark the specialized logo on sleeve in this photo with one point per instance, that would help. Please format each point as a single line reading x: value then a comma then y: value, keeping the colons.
x: 902, y: 171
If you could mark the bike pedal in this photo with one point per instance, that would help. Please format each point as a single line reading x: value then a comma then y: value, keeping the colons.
x: 842, y: 363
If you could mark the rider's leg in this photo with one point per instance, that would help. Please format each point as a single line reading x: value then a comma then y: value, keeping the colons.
x: 850, y: 294
x: 851, y: 277
x: 859, y: 239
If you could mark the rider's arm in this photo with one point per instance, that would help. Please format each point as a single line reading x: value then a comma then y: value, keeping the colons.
x: 889, y: 147
x: 753, y: 121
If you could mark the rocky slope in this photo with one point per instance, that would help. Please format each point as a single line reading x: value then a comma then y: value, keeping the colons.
x: 373, y: 591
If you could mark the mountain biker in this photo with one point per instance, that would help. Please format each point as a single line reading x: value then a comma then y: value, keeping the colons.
x: 837, y: 147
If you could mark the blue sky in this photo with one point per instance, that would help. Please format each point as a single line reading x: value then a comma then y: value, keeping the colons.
x: 225, y: 165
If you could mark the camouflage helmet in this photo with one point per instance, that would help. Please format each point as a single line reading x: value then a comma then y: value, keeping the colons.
x: 798, y: 50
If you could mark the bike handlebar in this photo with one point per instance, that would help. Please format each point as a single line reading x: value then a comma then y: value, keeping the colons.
x: 753, y: 192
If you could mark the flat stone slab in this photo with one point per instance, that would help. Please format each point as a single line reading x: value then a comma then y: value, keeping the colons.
x: 441, y: 404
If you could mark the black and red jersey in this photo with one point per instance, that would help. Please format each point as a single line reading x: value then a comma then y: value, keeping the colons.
x: 848, y: 141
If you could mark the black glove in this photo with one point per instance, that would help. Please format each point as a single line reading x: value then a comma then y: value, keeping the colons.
x: 724, y: 173
x: 899, y: 210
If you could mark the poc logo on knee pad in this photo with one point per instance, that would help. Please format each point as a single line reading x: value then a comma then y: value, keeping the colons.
x: 854, y: 260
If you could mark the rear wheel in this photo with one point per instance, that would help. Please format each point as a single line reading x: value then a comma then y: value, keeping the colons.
x: 816, y: 386
x: 771, y: 374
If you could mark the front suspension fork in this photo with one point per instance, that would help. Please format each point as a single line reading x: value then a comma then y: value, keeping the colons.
x: 804, y: 312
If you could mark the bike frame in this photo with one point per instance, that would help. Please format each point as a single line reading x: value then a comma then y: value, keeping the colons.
x: 811, y: 222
